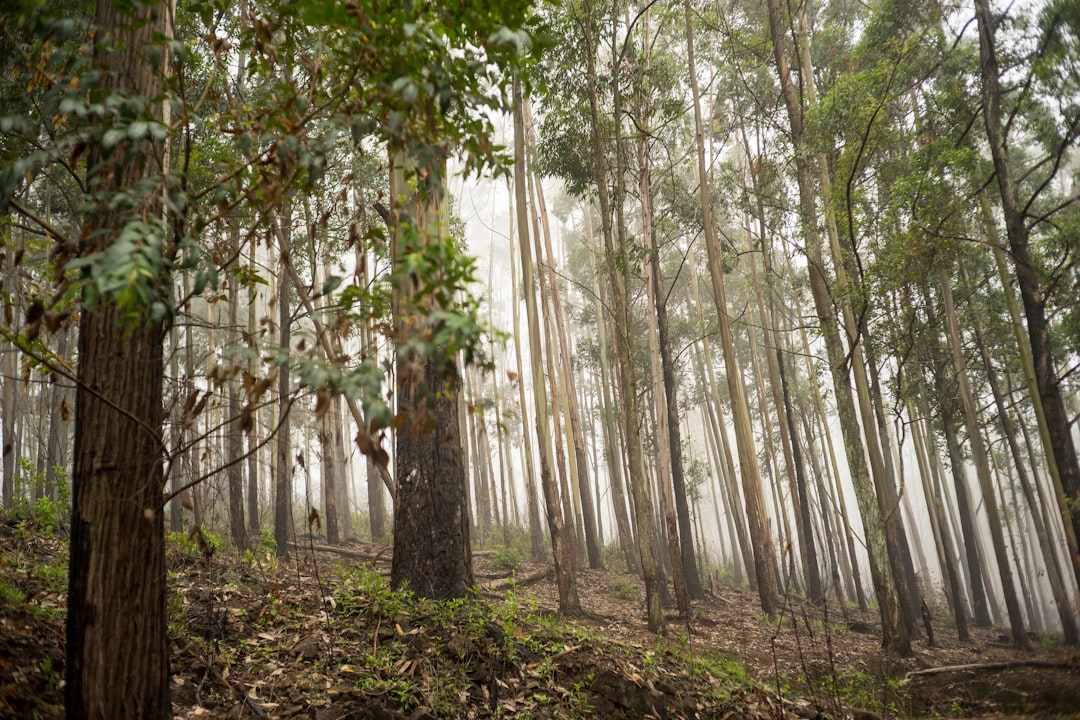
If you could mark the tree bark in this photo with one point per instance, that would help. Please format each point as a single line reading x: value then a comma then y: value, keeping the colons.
x: 432, y: 551
x: 536, y: 531
x: 1032, y: 293
x: 896, y: 636
x: 562, y: 551
x: 762, y: 543
x: 117, y: 652
x: 982, y: 469
x: 283, y: 466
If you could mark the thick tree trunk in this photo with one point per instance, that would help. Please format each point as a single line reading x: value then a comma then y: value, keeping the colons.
x: 117, y: 653
x: 432, y: 551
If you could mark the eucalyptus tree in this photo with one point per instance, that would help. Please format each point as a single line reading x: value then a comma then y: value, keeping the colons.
x: 116, y: 117
x: 1035, y: 219
x: 562, y: 551
x: 577, y: 137
x: 811, y: 168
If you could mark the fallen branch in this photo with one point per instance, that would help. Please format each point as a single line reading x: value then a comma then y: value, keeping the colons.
x: 345, y: 552
x: 517, y: 580
x: 1001, y: 665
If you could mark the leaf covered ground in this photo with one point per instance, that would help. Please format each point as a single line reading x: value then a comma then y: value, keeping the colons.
x: 321, y: 636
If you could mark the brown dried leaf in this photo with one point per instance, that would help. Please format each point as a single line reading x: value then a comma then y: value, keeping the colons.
x: 322, y: 402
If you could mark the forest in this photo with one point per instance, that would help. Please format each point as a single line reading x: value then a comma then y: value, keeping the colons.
x: 550, y: 359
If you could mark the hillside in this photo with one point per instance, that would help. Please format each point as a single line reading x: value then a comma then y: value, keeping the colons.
x: 323, y: 638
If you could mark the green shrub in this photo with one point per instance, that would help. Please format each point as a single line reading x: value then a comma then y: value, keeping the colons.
x: 507, y: 558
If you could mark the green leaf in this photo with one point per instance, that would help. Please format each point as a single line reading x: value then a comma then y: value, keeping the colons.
x: 332, y: 283
x: 112, y: 138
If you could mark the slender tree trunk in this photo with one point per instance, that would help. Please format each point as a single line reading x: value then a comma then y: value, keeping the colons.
x: 561, y: 547
x: 942, y: 535
x: 234, y: 433
x: 618, y: 267
x: 580, y: 461
x: 717, y: 421
x: 608, y: 412
x: 283, y: 485
x: 9, y: 413
x: 667, y: 394
x: 763, y: 550
x: 979, y: 600
x: 341, y: 462
x: 1028, y: 277
x: 1054, y: 571
x: 896, y: 635
x: 56, y: 449
x: 982, y: 469
x: 254, y: 526
x: 536, y: 531
x: 1028, y: 365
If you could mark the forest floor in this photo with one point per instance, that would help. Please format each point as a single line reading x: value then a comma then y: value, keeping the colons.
x: 322, y: 637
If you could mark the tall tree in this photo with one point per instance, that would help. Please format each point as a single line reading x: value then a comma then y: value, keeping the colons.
x: 761, y: 537
x: 432, y: 553
x: 562, y: 551
x: 117, y: 659
x: 1020, y: 216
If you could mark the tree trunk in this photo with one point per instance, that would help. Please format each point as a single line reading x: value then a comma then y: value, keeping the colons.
x: 9, y: 411
x: 117, y: 651
x: 965, y: 509
x: 254, y: 526
x: 560, y: 431
x: 580, y: 460
x: 536, y: 531
x: 1027, y: 274
x: 562, y: 550
x: 895, y: 630
x: 982, y: 468
x: 942, y: 535
x: 763, y: 550
x: 283, y: 486
x: 432, y: 552
x: 608, y: 411
x: 618, y: 267
x: 233, y: 432
x: 1054, y: 571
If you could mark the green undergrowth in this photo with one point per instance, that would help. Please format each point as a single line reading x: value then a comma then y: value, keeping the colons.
x: 508, y: 657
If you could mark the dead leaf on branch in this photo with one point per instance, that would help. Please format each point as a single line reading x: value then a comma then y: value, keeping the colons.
x: 322, y: 402
x: 370, y: 446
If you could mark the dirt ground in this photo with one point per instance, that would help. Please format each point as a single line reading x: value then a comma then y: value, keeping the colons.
x: 320, y: 637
